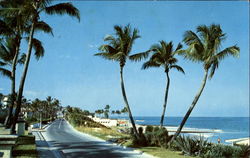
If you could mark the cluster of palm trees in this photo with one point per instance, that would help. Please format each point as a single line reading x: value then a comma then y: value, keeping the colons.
x: 106, y: 111
x: 119, y: 112
x: 19, y: 21
x: 48, y: 108
x: 203, y: 46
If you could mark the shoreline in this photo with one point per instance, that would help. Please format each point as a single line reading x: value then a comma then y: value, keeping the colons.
x: 173, y: 129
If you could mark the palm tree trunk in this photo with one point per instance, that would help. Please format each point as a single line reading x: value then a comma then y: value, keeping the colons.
x: 21, y: 86
x: 13, y: 82
x: 165, y: 100
x: 126, y: 103
x: 192, y: 106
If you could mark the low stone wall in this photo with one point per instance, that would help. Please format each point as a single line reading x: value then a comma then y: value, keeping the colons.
x: 6, y: 144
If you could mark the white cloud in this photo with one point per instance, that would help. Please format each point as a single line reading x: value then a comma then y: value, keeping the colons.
x: 92, y: 45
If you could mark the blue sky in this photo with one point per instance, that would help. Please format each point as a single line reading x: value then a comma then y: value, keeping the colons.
x: 71, y: 73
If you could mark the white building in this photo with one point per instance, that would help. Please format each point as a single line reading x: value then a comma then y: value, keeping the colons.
x: 110, y: 122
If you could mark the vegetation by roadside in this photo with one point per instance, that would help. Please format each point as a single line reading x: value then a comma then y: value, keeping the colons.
x: 25, y: 147
x: 103, y: 133
x: 162, y: 152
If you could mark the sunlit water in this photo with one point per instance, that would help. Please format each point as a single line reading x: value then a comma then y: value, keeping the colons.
x: 226, y: 127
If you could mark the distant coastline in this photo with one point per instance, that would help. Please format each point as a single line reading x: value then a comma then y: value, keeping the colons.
x: 210, y: 128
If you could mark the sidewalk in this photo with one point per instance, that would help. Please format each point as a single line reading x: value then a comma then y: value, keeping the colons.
x: 43, y: 148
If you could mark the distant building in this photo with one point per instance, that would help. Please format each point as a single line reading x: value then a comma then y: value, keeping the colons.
x: 111, y: 122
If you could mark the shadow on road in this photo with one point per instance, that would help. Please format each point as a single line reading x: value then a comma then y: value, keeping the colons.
x: 87, y: 149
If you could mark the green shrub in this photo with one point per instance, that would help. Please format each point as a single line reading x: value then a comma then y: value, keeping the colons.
x: 138, y: 142
x: 161, y: 137
x: 149, y: 129
x: 223, y: 151
x: 192, y: 146
x: 156, y: 136
x: 245, y: 151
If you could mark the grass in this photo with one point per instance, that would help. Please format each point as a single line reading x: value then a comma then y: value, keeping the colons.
x: 106, y: 134
x: 25, y: 147
x: 162, y: 153
x: 103, y: 133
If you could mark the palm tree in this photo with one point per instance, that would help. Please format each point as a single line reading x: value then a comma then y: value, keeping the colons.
x: 106, y: 111
x: 32, y: 9
x: 163, y: 56
x: 8, y: 58
x: 118, y: 49
x: 204, y: 47
x: 15, y: 24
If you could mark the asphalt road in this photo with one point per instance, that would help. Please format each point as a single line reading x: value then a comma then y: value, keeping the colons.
x: 64, y: 141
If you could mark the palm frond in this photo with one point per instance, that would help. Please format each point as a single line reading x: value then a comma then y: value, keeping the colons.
x: 2, y: 63
x: 42, y: 26
x: 107, y: 48
x: 105, y: 55
x: 119, y: 56
x: 63, y: 8
x: 38, y: 47
x: 215, y: 65
x: 203, y: 30
x: 178, y: 68
x: 172, y: 60
x: 233, y: 50
x: 191, y: 38
x: 22, y: 59
x: 179, y: 46
x: 139, y: 56
x: 5, y: 72
x: 5, y: 29
x: 109, y: 38
x: 149, y: 64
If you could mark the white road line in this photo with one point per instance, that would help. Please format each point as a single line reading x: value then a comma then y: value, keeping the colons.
x: 60, y: 124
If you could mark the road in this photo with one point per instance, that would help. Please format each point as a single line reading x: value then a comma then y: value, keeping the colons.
x: 61, y: 140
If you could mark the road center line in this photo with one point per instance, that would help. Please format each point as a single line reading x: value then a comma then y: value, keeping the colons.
x: 60, y: 123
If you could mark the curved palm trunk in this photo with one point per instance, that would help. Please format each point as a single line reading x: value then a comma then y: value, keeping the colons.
x: 13, y: 82
x: 21, y: 86
x: 165, y: 100
x: 192, y: 106
x: 126, y: 102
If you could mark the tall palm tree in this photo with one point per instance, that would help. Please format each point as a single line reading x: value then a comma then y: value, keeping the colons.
x: 204, y: 47
x: 16, y: 24
x: 118, y: 49
x: 32, y: 9
x: 9, y: 59
x: 163, y: 56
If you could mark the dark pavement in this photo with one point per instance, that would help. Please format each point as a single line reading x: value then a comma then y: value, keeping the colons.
x: 64, y: 141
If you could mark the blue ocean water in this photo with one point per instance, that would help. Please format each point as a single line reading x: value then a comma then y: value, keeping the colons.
x: 229, y: 127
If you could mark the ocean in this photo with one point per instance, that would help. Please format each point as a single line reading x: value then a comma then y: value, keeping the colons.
x: 227, y: 127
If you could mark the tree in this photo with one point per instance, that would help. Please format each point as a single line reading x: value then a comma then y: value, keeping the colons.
x: 15, y: 24
x: 106, y: 111
x: 113, y: 112
x: 118, y: 49
x: 163, y: 56
x: 124, y: 110
x: 204, y: 47
x: 8, y: 58
x: 118, y: 112
x: 32, y: 9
